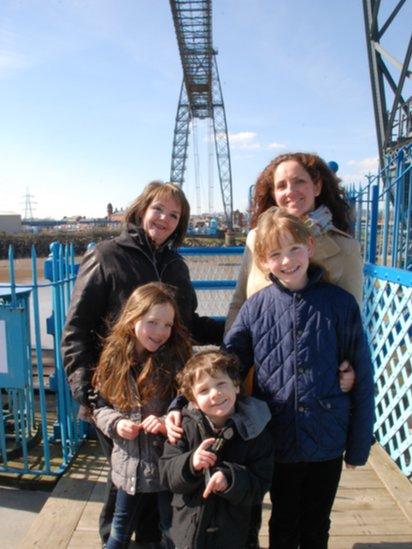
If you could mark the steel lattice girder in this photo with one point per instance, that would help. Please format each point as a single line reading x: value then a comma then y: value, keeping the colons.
x: 201, y: 93
x: 180, y: 139
x: 393, y: 125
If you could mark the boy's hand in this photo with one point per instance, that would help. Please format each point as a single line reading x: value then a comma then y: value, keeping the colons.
x: 153, y: 425
x: 217, y: 483
x: 351, y: 467
x: 202, y: 459
x: 173, y: 426
x: 127, y: 429
x: 346, y: 376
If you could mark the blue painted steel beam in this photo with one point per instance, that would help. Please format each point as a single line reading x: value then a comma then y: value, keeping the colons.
x: 391, y: 274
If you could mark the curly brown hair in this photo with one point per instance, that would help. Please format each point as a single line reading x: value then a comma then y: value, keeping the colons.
x: 208, y: 362
x: 154, y: 373
x: 154, y: 191
x: 332, y: 194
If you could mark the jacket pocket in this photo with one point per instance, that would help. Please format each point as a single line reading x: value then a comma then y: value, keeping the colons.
x: 184, y: 522
x: 333, y: 422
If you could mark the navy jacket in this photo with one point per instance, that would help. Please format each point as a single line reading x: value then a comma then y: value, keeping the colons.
x: 297, y: 339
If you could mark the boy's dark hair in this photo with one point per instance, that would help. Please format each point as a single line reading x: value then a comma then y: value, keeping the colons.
x: 210, y: 363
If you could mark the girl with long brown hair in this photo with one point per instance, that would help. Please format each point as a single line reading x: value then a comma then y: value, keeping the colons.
x: 135, y: 380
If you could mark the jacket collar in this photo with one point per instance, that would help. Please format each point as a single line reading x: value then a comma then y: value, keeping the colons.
x: 326, y: 245
x: 250, y: 417
x: 133, y: 236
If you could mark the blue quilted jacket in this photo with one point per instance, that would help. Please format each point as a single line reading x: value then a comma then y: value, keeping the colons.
x: 297, y: 339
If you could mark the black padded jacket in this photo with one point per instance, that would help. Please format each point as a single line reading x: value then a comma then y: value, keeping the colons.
x: 107, y: 276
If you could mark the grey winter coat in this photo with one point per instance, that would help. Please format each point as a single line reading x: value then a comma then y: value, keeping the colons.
x: 222, y: 520
x: 134, y: 463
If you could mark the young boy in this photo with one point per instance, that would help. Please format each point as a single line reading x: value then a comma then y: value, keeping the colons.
x: 223, y: 464
x: 296, y: 332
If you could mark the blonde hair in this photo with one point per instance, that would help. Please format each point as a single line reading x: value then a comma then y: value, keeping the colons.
x: 210, y: 363
x: 272, y: 225
x: 153, y: 373
x: 154, y: 191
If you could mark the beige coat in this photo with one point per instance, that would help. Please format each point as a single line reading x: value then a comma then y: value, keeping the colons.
x: 337, y: 252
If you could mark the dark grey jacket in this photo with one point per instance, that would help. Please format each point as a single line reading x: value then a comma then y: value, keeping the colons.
x: 222, y: 520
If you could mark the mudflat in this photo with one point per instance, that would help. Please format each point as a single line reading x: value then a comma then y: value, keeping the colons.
x: 22, y: 269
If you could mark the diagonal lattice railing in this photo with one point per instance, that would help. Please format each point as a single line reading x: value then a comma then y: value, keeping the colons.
x: 388, y: 322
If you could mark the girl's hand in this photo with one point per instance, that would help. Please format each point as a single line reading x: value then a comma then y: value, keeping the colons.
x: 346, y: 376
x: 127, y: 429
x: 173, y: 426
x: 217, y: 483
x: 202, y: 459
x: 154, y: 425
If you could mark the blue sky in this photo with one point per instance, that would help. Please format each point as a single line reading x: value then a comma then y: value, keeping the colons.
x: 89, y: 91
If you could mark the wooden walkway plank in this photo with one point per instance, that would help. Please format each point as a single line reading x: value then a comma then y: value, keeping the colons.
x: 57, y: 521
x: 372, y: 508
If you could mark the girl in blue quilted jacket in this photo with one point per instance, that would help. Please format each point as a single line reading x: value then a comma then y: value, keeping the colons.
x: 296, y: 332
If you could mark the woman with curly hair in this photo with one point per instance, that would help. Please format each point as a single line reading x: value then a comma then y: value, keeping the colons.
x: 305, y: 186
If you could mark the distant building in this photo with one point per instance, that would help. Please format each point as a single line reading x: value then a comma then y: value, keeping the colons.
x: 116, y: 217
x: 10, y: 222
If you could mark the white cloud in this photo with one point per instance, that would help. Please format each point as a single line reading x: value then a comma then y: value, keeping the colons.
x: 365, y: 165
x: 275, y: 145
x: 358, y: 169
x: 11, y: 60
x: 243, y: 140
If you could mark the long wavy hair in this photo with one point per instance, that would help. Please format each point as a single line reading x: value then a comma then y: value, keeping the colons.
x: 120, y: 370
x: 158, y: 190
x: 332, y: 194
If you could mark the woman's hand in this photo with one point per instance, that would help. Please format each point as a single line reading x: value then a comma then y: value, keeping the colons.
x: 346, y: 376
x: 127, y: 429
x: 217, y: 483
x: 202, y: 459
x: 173, y: 426
x: 154, y: 425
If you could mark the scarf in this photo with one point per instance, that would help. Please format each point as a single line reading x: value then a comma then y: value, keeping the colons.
x: 319, y: 221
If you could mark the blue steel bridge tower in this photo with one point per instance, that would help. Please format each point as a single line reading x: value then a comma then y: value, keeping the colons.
x: 201, y: 93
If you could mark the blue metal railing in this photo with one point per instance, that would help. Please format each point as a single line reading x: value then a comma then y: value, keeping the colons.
x: 26, y: 409
x: 384, y: 212
x: 383, y: 226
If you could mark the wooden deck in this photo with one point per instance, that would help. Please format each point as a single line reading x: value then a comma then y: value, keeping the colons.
x: 373, y: 508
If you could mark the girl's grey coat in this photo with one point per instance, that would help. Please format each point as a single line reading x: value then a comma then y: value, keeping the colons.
x: 134, y: 463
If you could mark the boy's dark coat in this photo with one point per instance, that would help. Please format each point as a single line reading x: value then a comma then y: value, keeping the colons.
x: 220, y: 521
